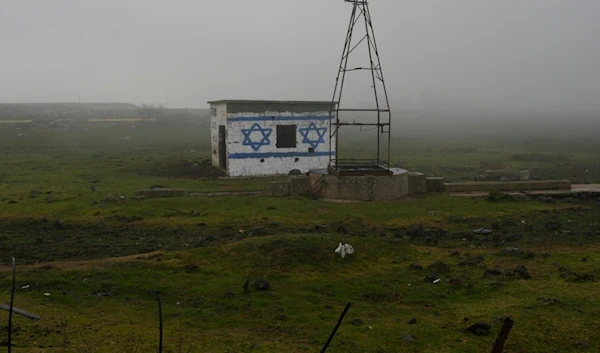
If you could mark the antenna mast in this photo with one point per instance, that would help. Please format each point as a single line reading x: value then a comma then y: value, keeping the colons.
x: 379, y: 164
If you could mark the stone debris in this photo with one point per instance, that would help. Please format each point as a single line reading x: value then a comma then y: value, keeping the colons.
x: 482, y: 231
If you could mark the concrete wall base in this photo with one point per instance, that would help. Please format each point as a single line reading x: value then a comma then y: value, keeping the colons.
x: 417, y: 183
x: 435, y: 184
x: 359, y: 188
x: 278, y: 188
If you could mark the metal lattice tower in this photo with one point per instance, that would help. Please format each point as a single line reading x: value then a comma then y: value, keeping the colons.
x: 380, y: 164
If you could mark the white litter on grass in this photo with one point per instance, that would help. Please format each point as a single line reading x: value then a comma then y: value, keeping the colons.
x: 47, y: 294
x: 25, y: 286
x: 437, y: 281
x: 344, y: 249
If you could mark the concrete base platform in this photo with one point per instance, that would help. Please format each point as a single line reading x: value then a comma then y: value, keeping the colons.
x: 359, y: 188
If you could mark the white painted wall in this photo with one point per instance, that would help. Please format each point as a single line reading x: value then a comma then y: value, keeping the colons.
x: 218, y: 117
x: 259, y: 155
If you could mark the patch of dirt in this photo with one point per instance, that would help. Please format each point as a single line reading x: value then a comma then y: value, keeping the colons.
x: 184, y: 169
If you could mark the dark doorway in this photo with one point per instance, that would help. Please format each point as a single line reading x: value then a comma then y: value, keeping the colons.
x: 222, y: 148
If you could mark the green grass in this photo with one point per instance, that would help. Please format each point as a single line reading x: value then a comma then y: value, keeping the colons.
x: 136, y: 249
x: 305, y: 276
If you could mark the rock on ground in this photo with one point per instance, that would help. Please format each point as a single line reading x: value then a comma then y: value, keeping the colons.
x: 480, y: 329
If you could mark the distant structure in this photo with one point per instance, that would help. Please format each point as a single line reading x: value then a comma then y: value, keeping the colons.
x: 260, y: 138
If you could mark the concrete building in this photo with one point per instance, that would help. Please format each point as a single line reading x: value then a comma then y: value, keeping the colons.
x: 257, y: 138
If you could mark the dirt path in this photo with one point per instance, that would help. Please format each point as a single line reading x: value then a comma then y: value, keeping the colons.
x: 85, y: 264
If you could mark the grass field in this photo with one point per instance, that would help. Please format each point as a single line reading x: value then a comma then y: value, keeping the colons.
x: 103, y: 259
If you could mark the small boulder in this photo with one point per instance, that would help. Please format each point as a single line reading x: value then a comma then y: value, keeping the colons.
x: 259, y: 231
x: 478, y: 258
x: 58, y: 225
x: 511, y: 237
x: 467, y: 263
x: 412, y: 321
x: 455, y: 281
x: 262, y: 284
x: 480, y: 329
x: 492, y: 273
x: 357, y: 322
x: 431, y: 277
x: 439, y: 266
x: 511, y: 251
x: 521, y: 272
x: 462, y: 235
x: 482, y: 231
x: 499, y: 319
x: 408, y: 338
x: 548, y: 301
x: 552, y: 226
x: 342, y: 229
x: 415, y: 266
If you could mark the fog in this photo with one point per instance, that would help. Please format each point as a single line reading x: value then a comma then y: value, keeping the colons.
x: 489, y: 55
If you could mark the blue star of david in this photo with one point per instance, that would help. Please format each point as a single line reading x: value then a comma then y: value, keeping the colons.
x: 256, y: 144
x: 314, y: 143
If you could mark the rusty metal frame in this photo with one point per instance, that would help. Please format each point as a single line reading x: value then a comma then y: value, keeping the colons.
x: 360, y: 11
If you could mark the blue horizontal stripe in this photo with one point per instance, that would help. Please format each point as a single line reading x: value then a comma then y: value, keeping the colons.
x: 278, y: 154
x: 280, y: 118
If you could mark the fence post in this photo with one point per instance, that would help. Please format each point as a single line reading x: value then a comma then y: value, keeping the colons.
x: 12, y: 303
x: 160, y: 327
x: 503, y: 335
x: 336, y: 328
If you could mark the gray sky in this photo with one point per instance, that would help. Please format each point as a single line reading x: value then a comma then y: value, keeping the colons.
x: 514, y: 54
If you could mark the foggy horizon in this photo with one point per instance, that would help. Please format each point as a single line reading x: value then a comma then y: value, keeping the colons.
x: 539, y: 55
